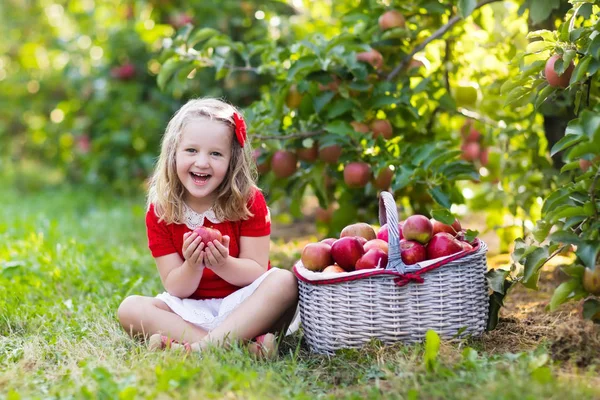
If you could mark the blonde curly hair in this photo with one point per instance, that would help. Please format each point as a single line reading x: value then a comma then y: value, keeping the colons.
x: 166, y: 190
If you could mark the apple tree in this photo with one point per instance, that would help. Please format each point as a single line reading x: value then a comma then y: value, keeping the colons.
x: 562, y: 66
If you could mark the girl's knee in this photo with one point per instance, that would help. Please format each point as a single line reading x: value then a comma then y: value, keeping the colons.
x: 286, y: 284
x: 130, y: 309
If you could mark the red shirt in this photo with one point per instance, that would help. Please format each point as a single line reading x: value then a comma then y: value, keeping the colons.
x: 166, y: 239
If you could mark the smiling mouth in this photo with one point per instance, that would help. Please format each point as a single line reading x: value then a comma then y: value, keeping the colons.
x: 200, y: 179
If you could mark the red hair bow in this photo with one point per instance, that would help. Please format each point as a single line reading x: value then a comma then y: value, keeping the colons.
x: 240, y: 128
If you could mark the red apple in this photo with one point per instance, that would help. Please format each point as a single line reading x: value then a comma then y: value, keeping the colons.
x: 412, y: 252
x: 309, y: 154
x: 357, y: 174
x: 373, y: 258
x: 360, y: 127
x: 441, y: 227
x: 284, y: 163
x: 443, y: 244
x: 324, y: 215
x: 466, y: 246
x: 346, y: 251
x: 359, y: 229
x: 330, y: 154
x: 553, y: 78
x: 361, y: 239
x: 471, y: 151
x: 417, y: 227
x: 473, y: 136
x: 391, y: 19
x: 124, y: 72
x: 484, y: 156
x: 207, y: 235
x: 316, y: 256
x: 329, y: 241
x: 376, y: 244
x: 384, y: 179
x: 333, y: 269
x: 372, y: 57
x: 382, y: 127
x: 383, y: 232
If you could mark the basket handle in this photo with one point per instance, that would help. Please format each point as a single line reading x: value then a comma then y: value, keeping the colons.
x: 388, y: 213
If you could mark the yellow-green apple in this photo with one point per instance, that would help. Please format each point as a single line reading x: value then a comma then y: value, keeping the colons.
x: 330, y: 154
x: 553, y: 78
x: 207, y: 235
x: 316, y: 256
x: 374, y: 258
x: 441, y: 227
x: 284, y: 163
x: 346, y: 251
x: 376, y: 244
x: 412, y: 252
x: 357, y: 174
x: 293, y: 98
x: 361, y: 229
x: 591, y: 280
x: 443, y: 244
x: 382, y: 127
x: 391, y: 19
x: 333, y: 269
x: 417, y: 227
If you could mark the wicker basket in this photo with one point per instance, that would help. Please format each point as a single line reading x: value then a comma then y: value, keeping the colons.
x: 398, y: 303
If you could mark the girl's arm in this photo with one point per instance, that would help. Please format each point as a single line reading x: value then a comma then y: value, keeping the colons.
x: 179, y: 278
x: 252, y: 262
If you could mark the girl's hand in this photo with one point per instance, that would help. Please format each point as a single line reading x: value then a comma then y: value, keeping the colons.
x: 192, y: 250
x: 216, y: 253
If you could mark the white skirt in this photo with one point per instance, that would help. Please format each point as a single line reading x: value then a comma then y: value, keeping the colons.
x: 210, y: 313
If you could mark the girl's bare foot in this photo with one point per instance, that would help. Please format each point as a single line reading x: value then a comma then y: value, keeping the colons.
x: 161, y: 342
x: 264, y: 347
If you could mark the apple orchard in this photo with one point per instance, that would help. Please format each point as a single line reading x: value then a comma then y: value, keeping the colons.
x: 442, y: 109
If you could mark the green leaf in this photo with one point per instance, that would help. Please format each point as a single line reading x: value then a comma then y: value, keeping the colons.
x: 443, y: 215
x: 470, y: 235
x: 533, y: 263
x: 565, y: 237
x: 588, y: 253
x: 303, y: 64
x: 562, y: 293
x: 540, y: 10
x: 167, y: 70
x: 541, y: 230
x: 594, y: 48
x: 322, y: 100
x: 339, y: 107
x: 402, y: 178
x: 566, y: 211
x: 466, y: 7
x: 539, y: 46
x: 566, y: 142
x: 341, y: 128
x: 591, y: 308
x: 544, y: 94
x: 496, y: 278
x: 201, y: 35
x: 546, y: 35
x: 432, y: 348
x: 580, y: 70
x: 440, y: 197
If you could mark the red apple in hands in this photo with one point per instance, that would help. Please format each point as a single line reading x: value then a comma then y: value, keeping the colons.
x: 441, y: 227
x: 417, y: 227
x: 346, y: 251
x: 443, y: 244
x: 376, y: 244
x: 374, y: 258
x: 207, y: 235
x: 316, y: 256
x: 412, y: 252
x: 360, y: 229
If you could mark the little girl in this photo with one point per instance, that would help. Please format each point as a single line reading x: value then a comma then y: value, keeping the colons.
x: 218, y: 292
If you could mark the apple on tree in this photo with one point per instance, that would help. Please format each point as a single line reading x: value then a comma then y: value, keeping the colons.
x: 284, y: 163
x: 552, y: 77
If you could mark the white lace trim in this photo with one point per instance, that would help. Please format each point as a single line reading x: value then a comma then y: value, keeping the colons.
x: 193, y: 219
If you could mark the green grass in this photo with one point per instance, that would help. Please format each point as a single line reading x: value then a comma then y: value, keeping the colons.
x: 67, y: 259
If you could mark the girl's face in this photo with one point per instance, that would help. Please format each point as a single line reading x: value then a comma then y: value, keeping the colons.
x: 202, y: 159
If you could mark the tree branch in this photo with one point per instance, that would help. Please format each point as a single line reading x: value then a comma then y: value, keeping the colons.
x: 437, y: 34
x: 290, y: 136
x: 481, y: 118
x: 593, y: 192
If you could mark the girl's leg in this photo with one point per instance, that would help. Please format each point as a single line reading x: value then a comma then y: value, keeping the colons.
x: 273, y: 303
x: 140, y: 315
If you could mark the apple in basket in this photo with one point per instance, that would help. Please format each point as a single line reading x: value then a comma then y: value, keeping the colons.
x: 443, y: 244
x: 346, y: 251
x: 376, y: 244
x: 333, y: 269
x: 441, y: 227
x: 417, y: 227
x: 359, y: 229
x: 329, y: 241
x: 412, y: 252
x: 383, y: 233
x: 372, y: 259
x: 316, y: 256
x: 208, y: 234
